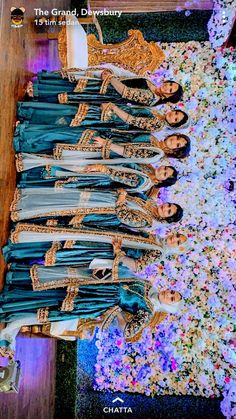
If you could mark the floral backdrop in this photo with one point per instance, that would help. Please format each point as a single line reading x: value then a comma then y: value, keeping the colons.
x: 194, y: 353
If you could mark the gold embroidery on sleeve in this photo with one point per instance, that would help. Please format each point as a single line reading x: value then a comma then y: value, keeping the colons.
x: 50, y: 256
x: 63, y: 97
x: 68, y: 302
x: 106, y: 150
x: 42, y: 314
x: 80, y: 115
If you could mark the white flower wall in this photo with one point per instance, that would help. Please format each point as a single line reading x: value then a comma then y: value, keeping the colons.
x: 195, y: 352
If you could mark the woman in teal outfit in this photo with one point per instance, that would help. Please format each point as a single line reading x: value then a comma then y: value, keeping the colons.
x: 41, y: 171
x: 35, y: 138
x: 76, y: 253
x: 92, y: 208
x: 106, y: 115
x: 19, y: 305
x: 101, y: 87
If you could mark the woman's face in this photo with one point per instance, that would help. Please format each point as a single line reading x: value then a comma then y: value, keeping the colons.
x: 166, y: 210
x: 174, y: 117
x: 175, y: 239
x: 169, y: 297
x: 163, y: 173
x: 168, y: 88
x: 174, y: 141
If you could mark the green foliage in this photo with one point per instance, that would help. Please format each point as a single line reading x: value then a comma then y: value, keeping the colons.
x: 66, y: 374
x: 162, y: 27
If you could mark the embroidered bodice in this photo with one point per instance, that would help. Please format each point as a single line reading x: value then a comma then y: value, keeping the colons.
x: 148, y: 257
x: 135, y: 217
x: 146, y: 123
x: 141, y: 96
x: 130, y: 179
x: 138, y: 151
x: 137, y: 323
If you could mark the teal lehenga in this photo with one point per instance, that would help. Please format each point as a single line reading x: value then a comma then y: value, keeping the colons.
x: 87, y: 86
x: 92, y: 208
x: 20, y: 305
x: 53, y: 257
x: 36, y: 138
x: 86, y: 115
x: 51, y: 281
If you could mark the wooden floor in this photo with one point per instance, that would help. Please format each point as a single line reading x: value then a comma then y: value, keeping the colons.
x: 23, y: 52
x: 36, y: 396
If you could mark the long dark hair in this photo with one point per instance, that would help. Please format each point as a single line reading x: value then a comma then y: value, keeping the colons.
x: 175, y: 97
x: 183, y: 121
x: 170, y: 180
x: 176, y: 216
x: 181, y: 152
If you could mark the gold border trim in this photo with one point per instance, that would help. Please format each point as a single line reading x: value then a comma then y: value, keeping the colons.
x: 106, y: 111
x: 50, y: 256
x: 86, y: 136
x: 69, y: 300
x: 63, y: 97
x: 69, y: 244
x: 80, y: 115
x: 19, y: 162
x: 106, y: 150
x: 105, y: 84
x: 42, y: 314
x: 20, y: 227
x: 115, y: 265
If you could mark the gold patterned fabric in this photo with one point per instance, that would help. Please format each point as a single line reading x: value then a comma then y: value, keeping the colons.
x: 131, y: 150
x: 52, y: 222
x: 86, y: 136
x: 50, y: 257
x: 134, y: 53
x: 141, y: 96
x: 42, y: 314
x: 137, y: 324
x: 80, y: 115
x: 109, y: 316
x: 149, y: 257
x: 81, y: 85
x: 77, y: 220
x: 68, y: 302
x: 63, y: 97
x: 146, y: 123
x: 6, y: 353
x: 24, y: 227
x: 115, y: 265
x: 105, y: 84
x: 130, y: 179
x: 69, y: 244
x: 106, y: 150
x: 133, y: 218
x: 107, y: 112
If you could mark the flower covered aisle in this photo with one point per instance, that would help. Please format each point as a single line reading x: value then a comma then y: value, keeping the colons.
x: 192, y: 354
